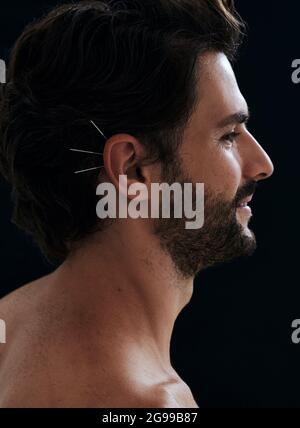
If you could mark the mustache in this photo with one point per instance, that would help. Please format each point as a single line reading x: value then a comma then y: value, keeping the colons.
x: 246, y: 190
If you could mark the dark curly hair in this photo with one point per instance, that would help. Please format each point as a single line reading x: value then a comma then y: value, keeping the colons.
x: 130, y: 66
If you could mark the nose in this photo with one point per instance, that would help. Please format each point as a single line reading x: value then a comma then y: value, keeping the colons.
x: 257, y: 165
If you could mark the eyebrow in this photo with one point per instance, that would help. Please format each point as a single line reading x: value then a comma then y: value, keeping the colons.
x: 236, y: 118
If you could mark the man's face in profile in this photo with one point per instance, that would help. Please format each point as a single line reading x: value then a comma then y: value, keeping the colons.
x: 218, y: 151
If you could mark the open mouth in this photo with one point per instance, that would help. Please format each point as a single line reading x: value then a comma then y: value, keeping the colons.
x: 244, y: 203
x: 243, y: 207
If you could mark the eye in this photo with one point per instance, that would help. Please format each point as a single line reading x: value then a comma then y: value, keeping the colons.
x: 229, y: 138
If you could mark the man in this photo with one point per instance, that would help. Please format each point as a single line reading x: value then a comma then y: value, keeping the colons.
x: 155, y: 78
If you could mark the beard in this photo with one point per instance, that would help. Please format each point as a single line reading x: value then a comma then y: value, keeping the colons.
x: 221, y: 239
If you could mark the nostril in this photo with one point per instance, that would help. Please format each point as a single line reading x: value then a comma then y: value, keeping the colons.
x: 263, y: 176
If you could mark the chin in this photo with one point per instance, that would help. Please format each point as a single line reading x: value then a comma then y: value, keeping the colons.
x: 250, y: 241
x: 244, y: 222
x: 248, y: 232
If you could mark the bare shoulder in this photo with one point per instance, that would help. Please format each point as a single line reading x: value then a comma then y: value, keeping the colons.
x: 18, y: 315
x: 48, y: 361
x: 12, y: 309
x: 21, y: 298
x: 16, y: 308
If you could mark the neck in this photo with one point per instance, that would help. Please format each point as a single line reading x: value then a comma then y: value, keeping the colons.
x: 129, y: 286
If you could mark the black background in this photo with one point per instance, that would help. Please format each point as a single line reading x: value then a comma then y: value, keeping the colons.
x: 232, y: 344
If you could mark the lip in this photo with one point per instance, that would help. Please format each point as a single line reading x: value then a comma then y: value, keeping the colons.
x: 245, y: 201
x: 245, y: 210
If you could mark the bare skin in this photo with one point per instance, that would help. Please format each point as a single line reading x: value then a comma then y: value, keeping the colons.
x: 56, y: 357
x: 97, y: 331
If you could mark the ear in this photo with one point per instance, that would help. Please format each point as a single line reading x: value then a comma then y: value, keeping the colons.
x: 122, y: 155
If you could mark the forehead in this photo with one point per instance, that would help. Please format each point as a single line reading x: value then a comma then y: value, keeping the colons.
x: 219, y: 94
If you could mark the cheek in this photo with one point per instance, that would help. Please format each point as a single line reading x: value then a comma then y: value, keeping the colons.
x: 219, y: 170
x: 228, y: 175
